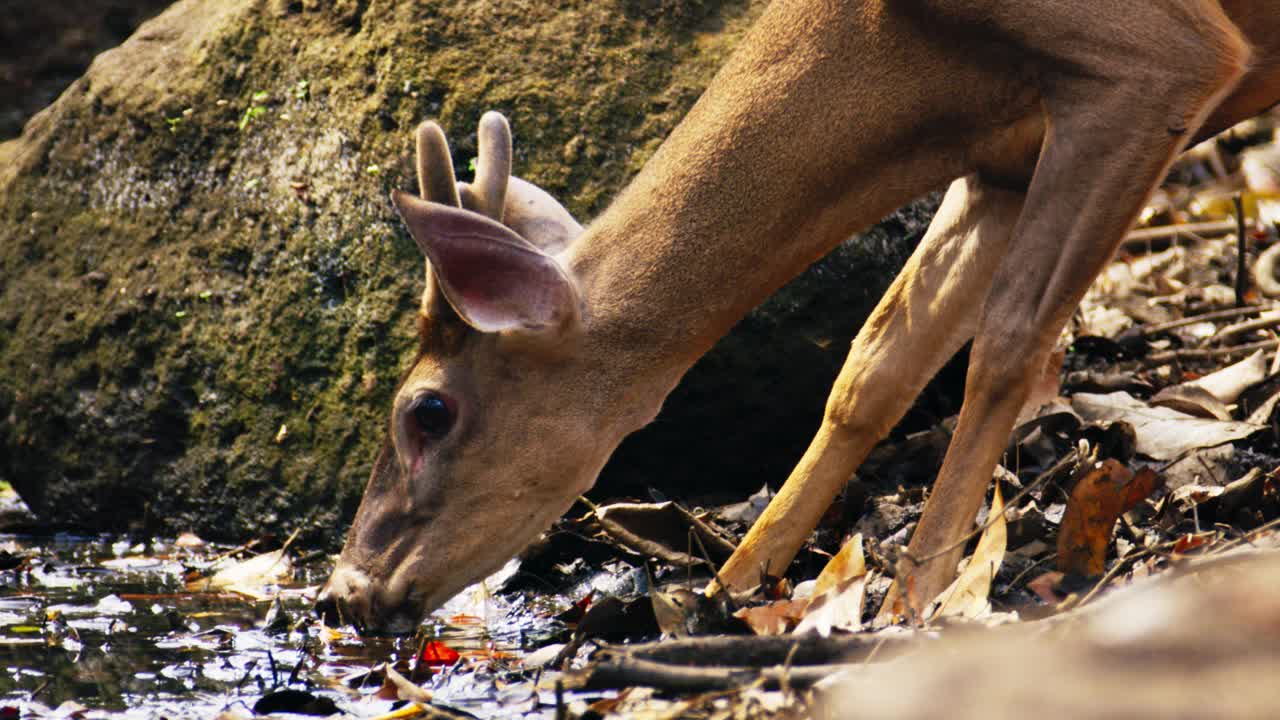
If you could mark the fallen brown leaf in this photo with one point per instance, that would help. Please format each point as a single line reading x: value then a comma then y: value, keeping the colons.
x: 774, y: 618
x: 1098, y: 499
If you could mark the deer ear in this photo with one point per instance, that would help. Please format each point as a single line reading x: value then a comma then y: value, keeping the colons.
x: 492, y: 277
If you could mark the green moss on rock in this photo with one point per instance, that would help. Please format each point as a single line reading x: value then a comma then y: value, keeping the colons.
x: 205, y: 298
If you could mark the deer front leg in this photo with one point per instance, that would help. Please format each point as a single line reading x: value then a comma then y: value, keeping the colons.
x: 1119, y: 108
x: 925, y: 316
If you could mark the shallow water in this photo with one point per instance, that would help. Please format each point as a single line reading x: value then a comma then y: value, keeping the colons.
x: 113, y: 627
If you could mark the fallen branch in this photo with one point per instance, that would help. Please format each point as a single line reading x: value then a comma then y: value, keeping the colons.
x: 1208, y: 354
x: 1154, y: 328
x: 1138, y: 238
x: 759, y: 651
x: 1267, y: 320
x: 621, y: 671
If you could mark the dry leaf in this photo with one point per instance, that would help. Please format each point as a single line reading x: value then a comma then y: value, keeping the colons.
x: 1097, y: 501
x: 661, y: 530
x: 435, y: 653
x: 1045, y: 586
x: 1161, y: 433
x: 404, y: 688
x: 1227, y: 384
x: 1262, y: 414
x: 838, y: 592
x: 968, y: 595
x: 775, y: 618
x: 1191, y: 399
x: 252, y: 577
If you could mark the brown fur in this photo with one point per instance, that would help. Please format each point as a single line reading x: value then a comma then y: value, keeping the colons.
x: 1057, y: 116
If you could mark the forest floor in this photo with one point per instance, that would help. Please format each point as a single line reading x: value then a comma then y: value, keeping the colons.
x: 1128, y: 548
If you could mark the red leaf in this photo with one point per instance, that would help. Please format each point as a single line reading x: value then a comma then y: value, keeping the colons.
x: 437, y: 653
x: 575, y: 612
x: 1191, y: 541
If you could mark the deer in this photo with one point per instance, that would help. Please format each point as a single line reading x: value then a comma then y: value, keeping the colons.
x: 544, y: 343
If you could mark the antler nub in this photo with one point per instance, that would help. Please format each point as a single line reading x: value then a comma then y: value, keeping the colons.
x: 488, y: 195
x: 435, y: 166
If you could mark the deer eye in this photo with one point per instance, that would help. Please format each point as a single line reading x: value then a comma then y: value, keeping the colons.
x: 432, y: 414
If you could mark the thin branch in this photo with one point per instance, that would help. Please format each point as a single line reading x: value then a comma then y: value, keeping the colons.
x: 1155, y: 328
x: 1242, y: 272
x: 1209, y: 353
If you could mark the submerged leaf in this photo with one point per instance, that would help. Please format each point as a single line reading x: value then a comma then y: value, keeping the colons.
x: 436, y: 653
x: 250, y: 577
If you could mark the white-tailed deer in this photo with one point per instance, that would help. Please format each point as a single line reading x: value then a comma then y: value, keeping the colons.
x: 543, y: 345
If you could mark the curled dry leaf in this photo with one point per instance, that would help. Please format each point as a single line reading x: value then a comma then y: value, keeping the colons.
x: 968, y: 595
x: 1227, y: 384
x: 662, y: 530
x: 1106, y: 491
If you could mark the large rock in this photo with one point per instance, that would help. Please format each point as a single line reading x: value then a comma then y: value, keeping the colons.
x: 206, y: 300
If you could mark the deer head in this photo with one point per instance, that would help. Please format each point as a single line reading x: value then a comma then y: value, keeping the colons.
x: 496, y: 427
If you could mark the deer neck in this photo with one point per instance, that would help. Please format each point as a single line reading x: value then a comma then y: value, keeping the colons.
x: 802, y: 139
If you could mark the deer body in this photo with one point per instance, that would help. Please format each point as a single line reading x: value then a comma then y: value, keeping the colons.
x: 542, y: 350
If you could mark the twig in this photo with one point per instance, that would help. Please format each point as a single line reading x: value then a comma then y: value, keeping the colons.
x: 1204, y: 229
x: 1209, y: 353
x: 1154, y: 328
x: 619, y: 671
x: 733, y: 606
x: 235, y: 551
x: 1242, y: 272
x: 875, y: 650
x: 1246, y: 540
x: 1114, y: 572
x: 786, y: 669
x: 763, y: 650
x: 1053, y: 470
x: 1268, y: 320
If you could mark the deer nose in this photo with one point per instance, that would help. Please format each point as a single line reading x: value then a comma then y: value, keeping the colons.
x: 346, y: 598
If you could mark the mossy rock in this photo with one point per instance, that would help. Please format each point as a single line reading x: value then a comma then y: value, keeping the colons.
x: 206, y: 299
